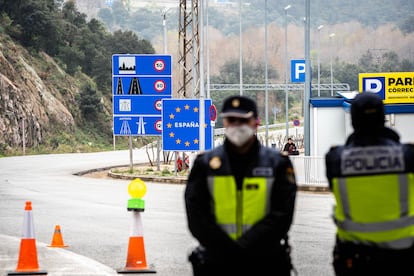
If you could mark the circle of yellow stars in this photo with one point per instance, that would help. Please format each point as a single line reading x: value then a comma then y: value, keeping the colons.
x: 172, y: 134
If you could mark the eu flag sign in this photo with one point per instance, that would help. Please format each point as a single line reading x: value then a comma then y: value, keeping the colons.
x: 181, y: 125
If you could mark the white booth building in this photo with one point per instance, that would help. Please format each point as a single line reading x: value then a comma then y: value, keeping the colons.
x: 330, y: 124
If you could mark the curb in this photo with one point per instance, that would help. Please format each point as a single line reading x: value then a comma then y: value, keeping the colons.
x: 182, y: 180
x: 161, y: 179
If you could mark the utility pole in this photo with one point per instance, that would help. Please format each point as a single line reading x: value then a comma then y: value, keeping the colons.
x: 189, y: 49
x: 319, y: 59
x: 308, y: 84
x: 330, y: 44
x: 286, y: 74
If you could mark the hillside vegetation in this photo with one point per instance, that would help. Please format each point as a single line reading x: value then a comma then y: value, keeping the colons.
x: 55, y: 77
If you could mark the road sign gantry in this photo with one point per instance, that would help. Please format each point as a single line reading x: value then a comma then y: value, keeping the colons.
x: 279, y: 86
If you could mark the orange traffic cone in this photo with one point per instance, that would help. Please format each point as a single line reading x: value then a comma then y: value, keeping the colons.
x: 57, y: 240
x: 27, y: 264
x: 136, y: 261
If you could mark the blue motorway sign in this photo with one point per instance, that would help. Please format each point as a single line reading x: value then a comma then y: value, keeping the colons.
x: 125, y: 85
x: 137, y: 125
x: 181, y: 125
x: 139, y: 83
x: 144, y: 105
x: 124, y: 64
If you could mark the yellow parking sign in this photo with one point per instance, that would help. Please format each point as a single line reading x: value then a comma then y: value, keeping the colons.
x: 393, y: 87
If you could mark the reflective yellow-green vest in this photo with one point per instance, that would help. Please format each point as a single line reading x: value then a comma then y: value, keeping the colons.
x: 237, y: 210
x: 375, y: 208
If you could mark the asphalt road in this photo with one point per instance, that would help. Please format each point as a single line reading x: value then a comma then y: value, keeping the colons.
x: 96, y: 225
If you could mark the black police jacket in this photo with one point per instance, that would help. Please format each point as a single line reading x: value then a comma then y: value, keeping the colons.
x: 261, y: 243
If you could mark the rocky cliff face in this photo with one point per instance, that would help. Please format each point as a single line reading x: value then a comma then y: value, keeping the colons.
x: 36, y: 97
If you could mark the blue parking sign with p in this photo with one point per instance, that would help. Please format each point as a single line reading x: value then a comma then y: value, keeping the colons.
x: 297, y: 70
x: 374, y: 85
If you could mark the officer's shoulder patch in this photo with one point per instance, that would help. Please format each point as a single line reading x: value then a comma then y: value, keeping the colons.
x: 215, y: 163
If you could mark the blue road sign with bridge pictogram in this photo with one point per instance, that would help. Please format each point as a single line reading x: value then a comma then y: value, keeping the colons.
x: 139, y: 83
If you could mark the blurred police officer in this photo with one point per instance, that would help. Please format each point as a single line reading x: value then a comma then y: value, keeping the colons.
x: 240, y: 200
x: 372, y: 179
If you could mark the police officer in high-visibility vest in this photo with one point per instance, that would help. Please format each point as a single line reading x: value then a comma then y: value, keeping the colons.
x: 372, y: 179
x: 240, y: 200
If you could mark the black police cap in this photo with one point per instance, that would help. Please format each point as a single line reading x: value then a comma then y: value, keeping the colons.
x: 239, y: 106
x: 367, y: 112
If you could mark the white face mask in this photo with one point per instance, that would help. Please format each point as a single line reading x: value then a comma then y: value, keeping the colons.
x: 239, y: 135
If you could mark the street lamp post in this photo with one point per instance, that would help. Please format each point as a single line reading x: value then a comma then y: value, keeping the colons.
x: 319, y: 61
x: 330, y: 44
x: 241, y: 48
x: 207, y: 45
x: 266, y: 80
x: 164, y: 25
x: 202, y: 90
x: 308, y: 83
x: 286, y: 73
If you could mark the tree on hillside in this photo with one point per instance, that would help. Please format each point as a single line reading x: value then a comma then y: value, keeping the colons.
x: 38, y: 23
x: 72, y: 57
x: 388, y: 62
x: 127, y: 42
x: 90, y: 102
x: 347, y: 73
x: 407, y: 66
x: 252, y: 73
x: 72, y: 15
x: 407, y: 26
x: 90, y: 40
x: 367, y: 62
